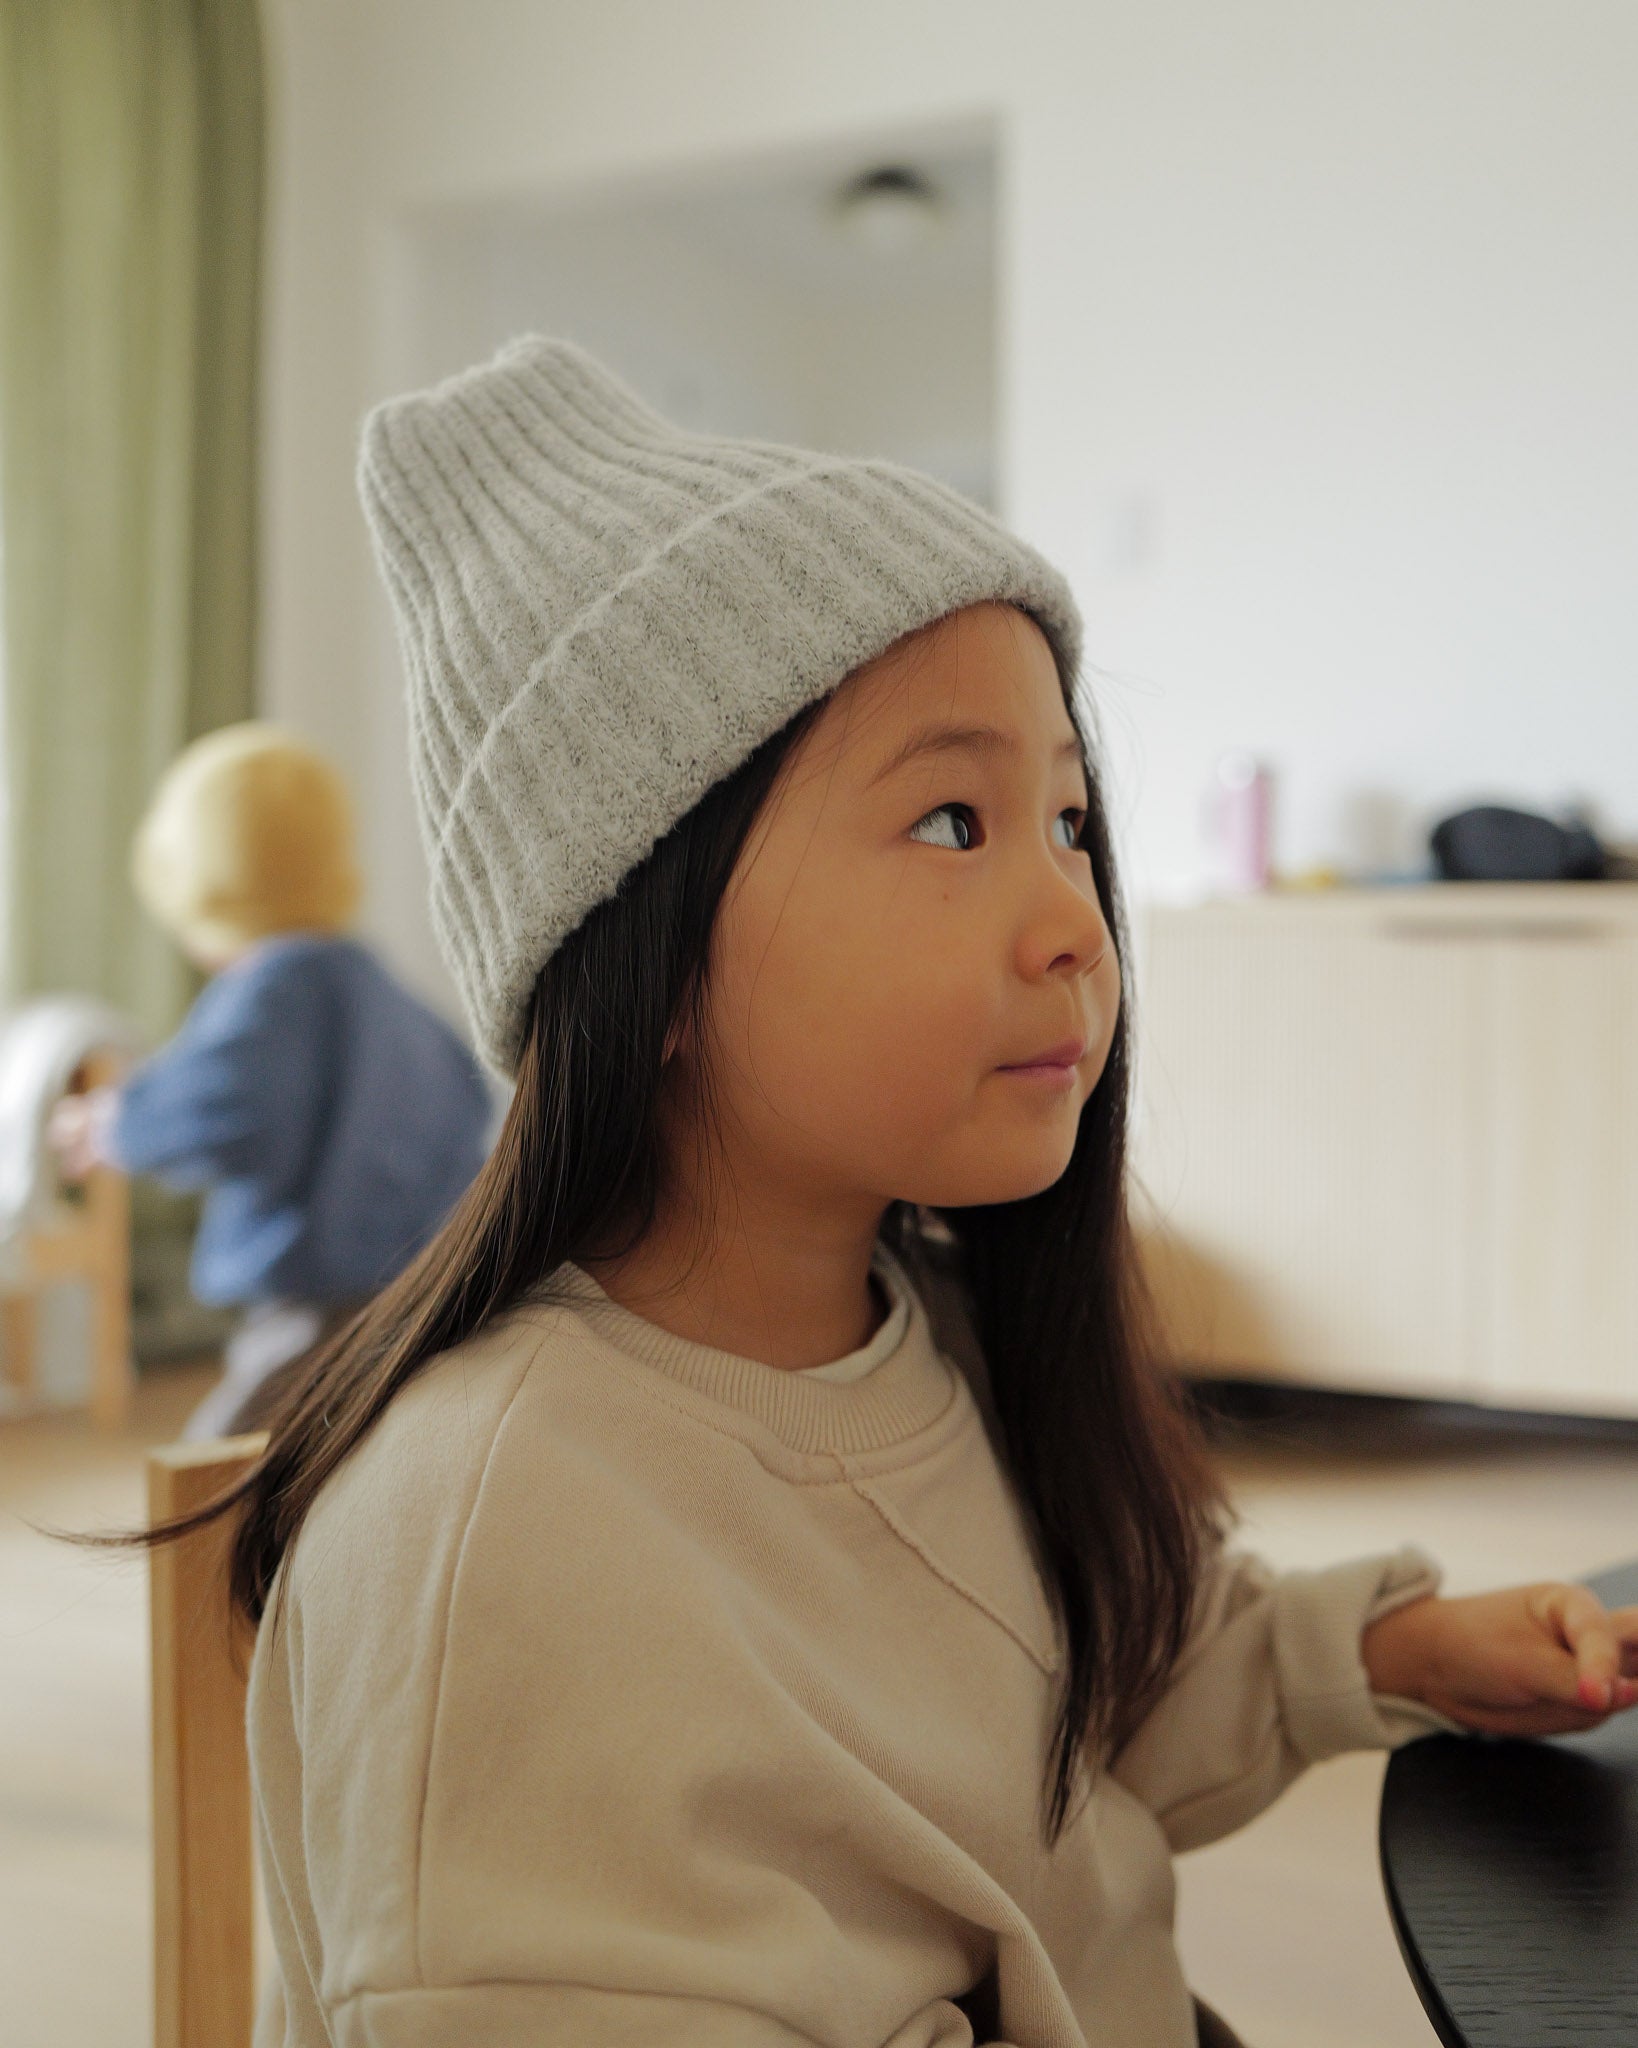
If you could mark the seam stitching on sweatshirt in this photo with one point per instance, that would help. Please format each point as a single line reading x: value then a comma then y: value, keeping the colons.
x: 662, y: 1395
x: 366, y: 1991
x: 639, y: 1373
x: 443, y: 1656
x: 912, y: 1541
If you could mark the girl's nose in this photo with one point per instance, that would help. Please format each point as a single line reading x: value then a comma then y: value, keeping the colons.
x: 1066, y: 934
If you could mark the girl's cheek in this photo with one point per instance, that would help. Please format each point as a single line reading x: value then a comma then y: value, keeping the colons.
x: 892, y: 1004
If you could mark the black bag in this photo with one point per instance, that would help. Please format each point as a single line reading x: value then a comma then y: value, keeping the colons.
x: 1491, y: 843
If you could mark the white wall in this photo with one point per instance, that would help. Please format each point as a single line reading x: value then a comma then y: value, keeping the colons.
x: 1315, y: 337
x: 730, y: 303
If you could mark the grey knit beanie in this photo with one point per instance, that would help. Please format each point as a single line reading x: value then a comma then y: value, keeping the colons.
x: 602, y: 615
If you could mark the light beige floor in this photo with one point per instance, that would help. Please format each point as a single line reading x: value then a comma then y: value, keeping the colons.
x: 1282, y: 1925
x: 74, y: 1878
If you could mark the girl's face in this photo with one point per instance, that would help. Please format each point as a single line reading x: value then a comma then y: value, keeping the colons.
x: 913, y: 990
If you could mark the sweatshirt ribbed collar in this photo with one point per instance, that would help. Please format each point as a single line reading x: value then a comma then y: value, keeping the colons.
x: 905, y: 1391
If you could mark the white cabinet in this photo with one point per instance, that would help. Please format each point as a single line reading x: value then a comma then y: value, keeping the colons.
x: 1558, y: 1321
x: 1388, y: 1139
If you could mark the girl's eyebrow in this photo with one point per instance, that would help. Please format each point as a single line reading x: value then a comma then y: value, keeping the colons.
x: 964, y: 739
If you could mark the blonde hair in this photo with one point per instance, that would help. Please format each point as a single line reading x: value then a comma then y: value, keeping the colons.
x: 250, y: 832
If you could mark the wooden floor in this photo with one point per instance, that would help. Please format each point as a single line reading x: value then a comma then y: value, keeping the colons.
x: 1282, y: 1926
x: 74, y: 1875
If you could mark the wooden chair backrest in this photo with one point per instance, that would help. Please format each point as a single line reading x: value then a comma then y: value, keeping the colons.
x: 204, y: 1881
x: 86, y: 1238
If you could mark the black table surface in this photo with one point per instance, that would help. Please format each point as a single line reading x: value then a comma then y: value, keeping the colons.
x: 1511, y: 1870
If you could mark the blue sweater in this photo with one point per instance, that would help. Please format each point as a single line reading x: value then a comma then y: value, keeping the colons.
x: 333, y: 1116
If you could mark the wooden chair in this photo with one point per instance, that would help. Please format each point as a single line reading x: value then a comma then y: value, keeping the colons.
x: 204, y: 1877
x: 88, y: 1236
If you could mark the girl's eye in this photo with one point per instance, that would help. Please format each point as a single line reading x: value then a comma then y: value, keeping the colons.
x: 957, y: 834
x: 1073, y: 820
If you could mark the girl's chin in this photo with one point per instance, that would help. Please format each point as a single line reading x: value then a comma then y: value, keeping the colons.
x: 1010, y: 1176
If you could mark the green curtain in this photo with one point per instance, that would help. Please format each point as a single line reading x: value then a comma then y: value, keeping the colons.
x: 131, y: 162
x: 130, y: 203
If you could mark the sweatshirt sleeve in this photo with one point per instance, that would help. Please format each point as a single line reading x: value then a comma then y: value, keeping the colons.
x: 201, y: 1108
x: 1271, y: 1681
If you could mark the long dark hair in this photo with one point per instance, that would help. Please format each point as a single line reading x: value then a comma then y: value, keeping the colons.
x: 1102, y: 1448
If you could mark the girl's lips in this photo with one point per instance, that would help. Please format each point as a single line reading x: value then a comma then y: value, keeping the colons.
x: 1061, y: 1058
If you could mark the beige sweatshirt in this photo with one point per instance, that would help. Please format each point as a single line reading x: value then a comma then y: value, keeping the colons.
x: 630, y: 1692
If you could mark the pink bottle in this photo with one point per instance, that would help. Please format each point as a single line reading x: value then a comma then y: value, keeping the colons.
x: 1241, y: 806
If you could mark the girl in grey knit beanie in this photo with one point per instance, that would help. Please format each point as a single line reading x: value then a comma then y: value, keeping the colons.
x: 768, y: 859
x: 793, y: 1602
x: 602, y: 614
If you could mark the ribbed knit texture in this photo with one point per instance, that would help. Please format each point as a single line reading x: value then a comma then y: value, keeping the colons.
x: 602, y: 615
x: 909, y: 1387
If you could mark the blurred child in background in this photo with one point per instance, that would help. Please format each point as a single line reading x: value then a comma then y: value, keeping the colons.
x: 333, y: 1117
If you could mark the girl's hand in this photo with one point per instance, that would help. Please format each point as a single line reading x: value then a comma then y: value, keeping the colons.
x: 1547, y: 1659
